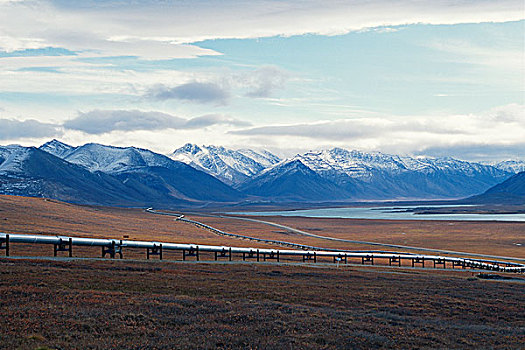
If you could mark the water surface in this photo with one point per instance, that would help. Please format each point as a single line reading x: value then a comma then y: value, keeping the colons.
x: 387, y: 213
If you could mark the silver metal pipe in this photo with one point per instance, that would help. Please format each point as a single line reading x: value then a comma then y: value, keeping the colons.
x: 99, y: 242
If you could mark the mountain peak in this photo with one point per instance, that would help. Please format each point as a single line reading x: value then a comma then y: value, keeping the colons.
x: 189, y: 147
x: 294, y: 164
x: 293, y: 180
x: 55, y: 142
x: 230, y: 166
x: 57, y: 148
x: 511, y: 165
x: 109, y: 159
x: 12, y: 157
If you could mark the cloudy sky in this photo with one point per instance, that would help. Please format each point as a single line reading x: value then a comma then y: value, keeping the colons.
x: 438, y: 78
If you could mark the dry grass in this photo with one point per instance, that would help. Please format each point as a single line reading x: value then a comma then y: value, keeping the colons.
x: 87, y: 304
x: 493, y: 238
x: 153, y: 305
x: 41, y: 216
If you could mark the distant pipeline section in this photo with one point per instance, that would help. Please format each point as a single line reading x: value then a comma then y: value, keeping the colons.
x: 180, y: 217
x: 307, y: 247
x: 483, y: 257
x: 417, y: 258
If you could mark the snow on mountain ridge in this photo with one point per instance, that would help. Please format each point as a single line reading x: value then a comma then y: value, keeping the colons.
x: 230, y: 166
x: 263, y: 157
x: 361, y: 165
x: 360, y: 175
x: 57, y: 148
x: 108, y: 159
x: 11, y: 158
x: 355, y: 164
x: 511, y: 165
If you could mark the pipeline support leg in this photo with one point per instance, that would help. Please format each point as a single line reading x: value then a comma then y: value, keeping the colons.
x: 113, y: 250
x: 368, y: 258
x: 155, y: 250
x: 394, y: 260
x: 62, y: 246
x: 6, y: 242
x: 191, y: 252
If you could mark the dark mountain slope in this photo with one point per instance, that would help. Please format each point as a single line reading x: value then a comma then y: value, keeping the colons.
x: 293, y: 181
x: 159, y: 178
x: 33, y: 172
x: 510, y: 191
x: 181, y: 181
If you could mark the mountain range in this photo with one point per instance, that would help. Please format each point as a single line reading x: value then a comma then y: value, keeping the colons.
x: 196, y: 175
x: 230, y: 166
x: 98, y: 174
x: 513, y: 166
x: 339, y: 174
x: 380, y: 176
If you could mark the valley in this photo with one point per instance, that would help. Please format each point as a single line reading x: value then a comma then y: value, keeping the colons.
x: 264, y: 174
x: 52, y: 302
x: 47, y: 217
x: 98, y: 191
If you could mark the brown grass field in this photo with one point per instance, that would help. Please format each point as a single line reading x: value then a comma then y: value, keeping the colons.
x: 132, y: 304
x: 160, y: 305
x: 493, y: 238
x: 41, y: 216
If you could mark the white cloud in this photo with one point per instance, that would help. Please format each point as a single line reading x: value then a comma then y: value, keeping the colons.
x: 493, y: 135
x: 263, y: 82
x: 15, y: 129
x: 500, y: 127
x: 100, y: 122
x: 90, y: 31
x: 106, y: 121
x: 79, y: 77
x: 155, y: 30
x: 192, y: 91
x: 477, y: 152
x: 214, y: 119
x: 468, y: 52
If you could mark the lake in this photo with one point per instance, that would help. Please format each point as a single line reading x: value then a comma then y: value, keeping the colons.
x: 387, y: 213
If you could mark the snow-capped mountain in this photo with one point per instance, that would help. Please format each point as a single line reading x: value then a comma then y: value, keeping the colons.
x: 354, y: 164
x: 156, y: 177
x: 377, y: 175
x: 29, y: 171
x: 230, y: 166
x: 512, y: 166
x: 95, y: 173
x: 12, y: 158
x: 292, y: 180
x: 57, y: 148
x: 108, y: 159
x: 360, y: 165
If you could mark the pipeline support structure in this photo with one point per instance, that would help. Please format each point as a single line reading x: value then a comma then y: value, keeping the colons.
x: 115, y: 247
